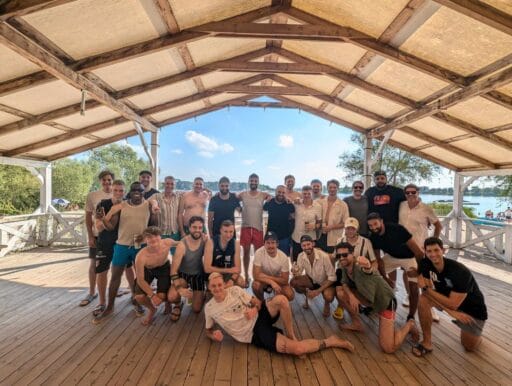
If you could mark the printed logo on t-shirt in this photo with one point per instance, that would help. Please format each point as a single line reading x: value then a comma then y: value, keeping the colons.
x: 448, y: 282
x: 433, y: 277
x: 382, y: 200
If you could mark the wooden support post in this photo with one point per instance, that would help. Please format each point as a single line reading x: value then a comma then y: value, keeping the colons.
x: 458, y: 197
x: 154, y: 154
x: 367, y: 174
x: 508, y: 244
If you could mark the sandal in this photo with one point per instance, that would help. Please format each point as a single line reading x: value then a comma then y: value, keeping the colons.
x: 176, y: 312
x: 87, y: 300
x: 139, y: 310
x: 98, y: 310
x: 420, y: 351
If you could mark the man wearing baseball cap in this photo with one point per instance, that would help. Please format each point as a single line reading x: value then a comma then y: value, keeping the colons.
x: 271, y: 269
x: 314, y: 274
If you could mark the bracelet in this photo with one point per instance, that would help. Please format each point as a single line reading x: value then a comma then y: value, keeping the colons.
x: 175, y: 276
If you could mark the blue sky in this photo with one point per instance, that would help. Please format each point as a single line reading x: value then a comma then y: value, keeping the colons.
x: 239, y: 141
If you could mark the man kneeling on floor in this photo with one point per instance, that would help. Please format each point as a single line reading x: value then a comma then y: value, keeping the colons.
x: 360, y: 285
x: 250, y: 320
x: 153, y: 263
x: 449, y: 286
x: 314, y: 274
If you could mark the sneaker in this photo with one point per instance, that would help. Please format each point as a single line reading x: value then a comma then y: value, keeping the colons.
x: 405, y: 302
x: 338, y: 313
x: 435, y: 315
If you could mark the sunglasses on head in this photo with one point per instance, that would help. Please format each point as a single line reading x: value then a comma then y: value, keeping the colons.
x: 340, y: 255
x: 410, y: 193
x: 358, y: 187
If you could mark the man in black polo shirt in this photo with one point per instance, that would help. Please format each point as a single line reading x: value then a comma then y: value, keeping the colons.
x: 222, y: 207
x: 280, y: 218
x: 401, y: 251
x: 384, y: 199
x: 451, y: 287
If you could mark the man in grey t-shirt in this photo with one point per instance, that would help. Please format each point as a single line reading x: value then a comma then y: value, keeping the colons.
x: 358, y: 206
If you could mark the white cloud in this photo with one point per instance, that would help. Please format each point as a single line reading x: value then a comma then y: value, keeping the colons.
x: 285, y: 141
x: 177, y: 151
x: 248, y: 161
x: 139, y: 149
x: 273, y: 167
x: 207, y: 147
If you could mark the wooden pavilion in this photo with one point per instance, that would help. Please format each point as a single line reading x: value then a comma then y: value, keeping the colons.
x: 432, y: 77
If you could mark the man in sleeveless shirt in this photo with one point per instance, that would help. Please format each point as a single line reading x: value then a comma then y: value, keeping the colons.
x: 252, y: 220
x: 187, y: 271
x: 134, y: 216
x: 222, y: 255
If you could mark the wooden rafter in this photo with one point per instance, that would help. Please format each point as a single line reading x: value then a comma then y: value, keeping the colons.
x: 23, y: 7
x: 482, y: 12
x: 31, y: 51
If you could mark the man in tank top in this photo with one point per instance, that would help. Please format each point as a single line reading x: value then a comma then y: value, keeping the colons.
x: 222, y: 255
x: 187, y: 271
x: 133, y: 216
x: 252, y: 220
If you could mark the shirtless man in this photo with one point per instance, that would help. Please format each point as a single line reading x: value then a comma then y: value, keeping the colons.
x: 222, y: 255
x: 289, y: 182
x: 192, y: 203
x: 153, y: 263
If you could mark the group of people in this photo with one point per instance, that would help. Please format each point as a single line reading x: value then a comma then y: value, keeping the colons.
x: 313, y: 244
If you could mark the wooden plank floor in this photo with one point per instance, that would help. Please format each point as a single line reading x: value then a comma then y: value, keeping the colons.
x: 45, y: 338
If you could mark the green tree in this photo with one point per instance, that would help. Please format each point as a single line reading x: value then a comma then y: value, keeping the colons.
x: 504, y: 183
x: 122, y: 160
x: 72, y: 180
x: 19, y: 191
x: 401, y: 167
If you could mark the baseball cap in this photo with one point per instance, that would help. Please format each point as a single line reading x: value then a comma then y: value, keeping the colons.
x: 306, y: 238
x: 351, y: 222
x: 271, y: 236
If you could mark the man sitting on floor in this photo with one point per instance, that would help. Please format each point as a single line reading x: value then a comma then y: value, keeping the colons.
x: 250, y: 320
x: 222, y: 255
x: 360, y: 284
x: 451, y: 287
x: 314, y: 274
x: 271, y: 269
x: 153, y: 263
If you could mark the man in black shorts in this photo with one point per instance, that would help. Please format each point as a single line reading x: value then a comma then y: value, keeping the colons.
x: 249, y: 320
x: 451, y: 287
x: 153, y: 263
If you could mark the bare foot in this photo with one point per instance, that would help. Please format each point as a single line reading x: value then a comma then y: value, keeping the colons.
x: 415, y: 333
x: 351, y: 327
x: 150, y: 317
x: 334, y: 341
x: 327, y: 310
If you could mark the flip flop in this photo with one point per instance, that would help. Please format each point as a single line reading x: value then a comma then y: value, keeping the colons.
x: 87, y: 300
x: 98, y: 310
x: 176, y: 312
x: 420, y: 351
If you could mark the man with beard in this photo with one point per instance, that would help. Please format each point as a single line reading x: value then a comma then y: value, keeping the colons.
x: 334, y: 214
x: 93, y: 198
x: 359, y: 284
x: 145, y: 178
x: 250, y: 320
x: 192, y: 204
x: 187, y: 271
x: 358, y: 206
x: 168, y: 202
x: 222, y: 207
x: 153, y: 263
x: 134, y: 216
x: 308, y: 219
x: 222, y: 255
x: 314, y: 274
x: 316, y: 188
x: 289, y: 182
x: 384, y: 199
x: 280, y: 218
x: 401, y: 251
x: 252, y: 220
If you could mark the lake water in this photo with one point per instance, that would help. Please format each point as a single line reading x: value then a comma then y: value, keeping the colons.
x: 496, y: 204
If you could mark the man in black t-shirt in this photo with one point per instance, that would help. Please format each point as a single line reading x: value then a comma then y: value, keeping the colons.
x: 145, y: 178
x: 451, y: 287
x: 401, y: 251
x: 222, y: 207
x: 280, y: 218
x: 384, y: 199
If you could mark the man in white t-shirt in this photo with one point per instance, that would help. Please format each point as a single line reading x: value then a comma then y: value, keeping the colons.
x: 250, y: 320
x: 314, y: 274
x: 271, y: 269
x: 106, y: 178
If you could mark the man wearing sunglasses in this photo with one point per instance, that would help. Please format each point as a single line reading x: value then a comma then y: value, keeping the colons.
x: 358, y: 285
x: 358, y: 206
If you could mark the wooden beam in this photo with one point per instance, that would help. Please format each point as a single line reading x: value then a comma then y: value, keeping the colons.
x: 482, y: 12
x: 267, y: 90
x: 31, y: 51
x: 453, y: 149
x: 470, y: 91
x: 14, y: 8
x: 165, y: 11
x: 120, y: 95
x: 263, y: 105
x: 139, y: 49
